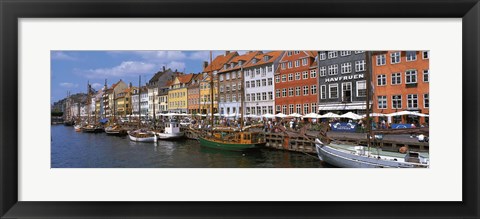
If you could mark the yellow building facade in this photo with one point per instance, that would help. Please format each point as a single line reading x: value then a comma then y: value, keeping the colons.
x: 178, y: 94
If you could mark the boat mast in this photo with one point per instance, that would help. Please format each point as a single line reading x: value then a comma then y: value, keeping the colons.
x: 139, y: 98
x: 114, y: 104
x: 368, y: 84
x: 243, y: 97
x: 211, y: 91
x: 154, y: 109
x: 88, y: 102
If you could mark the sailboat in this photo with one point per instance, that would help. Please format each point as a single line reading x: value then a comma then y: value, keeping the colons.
x: 228, y: 138
x: 359, y: 156
x: 115, y: 129
x: 141, y: 135
x: 91, y: 127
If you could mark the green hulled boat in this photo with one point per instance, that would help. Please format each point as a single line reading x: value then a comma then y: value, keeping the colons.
x: 232, y: 140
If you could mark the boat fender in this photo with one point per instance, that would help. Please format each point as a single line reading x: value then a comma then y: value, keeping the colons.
x: 403, y: 149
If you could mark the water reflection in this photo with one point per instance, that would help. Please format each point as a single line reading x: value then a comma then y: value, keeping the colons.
x: 84, y: 150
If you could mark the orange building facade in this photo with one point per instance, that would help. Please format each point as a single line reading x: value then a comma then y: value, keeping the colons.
x: 296, y: 83
x: 401, y: 83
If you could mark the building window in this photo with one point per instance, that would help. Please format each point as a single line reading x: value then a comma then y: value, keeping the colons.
x: 361, y: 89
x: 234, y: 98
x: 322, y: 55
x: 264, y: 95
x: 305, y: 74
x: 277, y: 79
x: 259, y: 95
x: 239, y: 87
x: 323, y: 71
x: 284, y: 78
x: 333, y: 91
x: 426, y: 74
x: 227, y: 76
x: 360, y: 65
x: 305, y: 90
x: 332, y: 69
x: 381, y: 80
x: 297, y: 63
x: 332, y: 54
x: 221, y: 88
x: 345, y: 53
x: 277, y: 108
x: 411, y: 77
x: 297, y: 76
x: 290, y: 91
x: 264, y: 82
x: 227, y: 88
x: 284, y: 92
x: 258, y: 83
x: 290, y: 77
x: 313, y: 73
x: 270, y: 109
x: 412, y: 101
x: 314, y: 107
x: 411, y: 56
x: 289, y: 53
x: 382, y: 102
x: 284, y: 109
x: 297, y: 91
x: 313, y: 89
x: 299, y: 108
x: 347, y: 91
x: 426, y: 54
x: 305, y: 108
x: 289, y: 64
x: 381, y: 60
x: 277, y: 93
x: 426, y: 103
x: 247, y: 97
x: 221, y: 77
x: 283, y: 65
x: 396, y: 78
x: 394, y: 57
x: 270, y: 95
x: 252, y: 83
x: 304, y: 61
x: 270, y: 81
x: 234, y: 87
x: 323, y: 92
x: 290, y: 108
x: 346, y: 67
x: 253, y: 97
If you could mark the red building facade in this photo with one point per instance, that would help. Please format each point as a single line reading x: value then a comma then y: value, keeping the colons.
x: 401, y: 81
x: 296, y: 83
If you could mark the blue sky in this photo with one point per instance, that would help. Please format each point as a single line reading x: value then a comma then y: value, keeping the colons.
x: 72, y: 70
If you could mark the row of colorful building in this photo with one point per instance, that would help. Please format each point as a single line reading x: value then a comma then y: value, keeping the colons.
x: 278, y: 82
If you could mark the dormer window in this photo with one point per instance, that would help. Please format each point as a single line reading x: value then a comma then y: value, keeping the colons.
x: 240, y: 63
x: 254, y: 61
x: 266, y: 58
x: 225, y: 66
x: 232, y: 64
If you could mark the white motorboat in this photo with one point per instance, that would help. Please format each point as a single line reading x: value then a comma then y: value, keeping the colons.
x: 142, y: 136
x: 172, y: 130
x: 348, y: 156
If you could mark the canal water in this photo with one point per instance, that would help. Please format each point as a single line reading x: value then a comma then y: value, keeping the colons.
x: 70, y: 149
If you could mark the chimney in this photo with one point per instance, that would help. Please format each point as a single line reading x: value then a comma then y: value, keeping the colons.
x: 205, y: 64
x: 130, y: 85
x: 227, y: 52
x: 164, y: 68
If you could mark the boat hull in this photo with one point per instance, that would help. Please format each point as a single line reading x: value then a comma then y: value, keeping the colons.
x: 143, y: 139
x: 226, y: 146
x: 343, y: 159
x: 168, y: 136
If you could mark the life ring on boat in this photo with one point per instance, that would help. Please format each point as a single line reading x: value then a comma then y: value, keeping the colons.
x: 403, y: 149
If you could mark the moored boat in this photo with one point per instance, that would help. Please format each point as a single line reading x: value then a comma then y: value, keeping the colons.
x: 115, y: 130
x: 171, y: 131
x: 78, y: 128
x: 142, y: 136
x: 234, y: 140
x: 348, y: 156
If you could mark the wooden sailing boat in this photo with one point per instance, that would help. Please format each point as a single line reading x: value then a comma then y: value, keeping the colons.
x: 90, y: 127
x: 141, y: 135
x: 358, y: 156
x: 228, y: 138
x: 115, y: 129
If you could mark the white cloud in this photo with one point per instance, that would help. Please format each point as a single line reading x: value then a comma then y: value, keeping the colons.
x: 68, y: 85
x: 97, y: 86
x: 161, y: 56
x: 205, y: 55
x: 175, y: 65
x: 58, y: 55
x: 126, y: 68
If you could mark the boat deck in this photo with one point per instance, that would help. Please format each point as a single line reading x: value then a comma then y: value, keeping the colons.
x: 373, y: 150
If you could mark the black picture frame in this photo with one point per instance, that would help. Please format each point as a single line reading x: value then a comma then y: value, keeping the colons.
x: 12, y: 10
